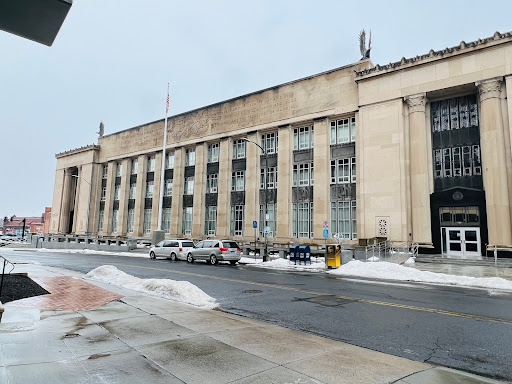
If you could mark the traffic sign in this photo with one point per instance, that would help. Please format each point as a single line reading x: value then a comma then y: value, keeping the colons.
x: 267, y: 230
x: 325, y: 224
x: 326, y: 233
x: 254, y: 224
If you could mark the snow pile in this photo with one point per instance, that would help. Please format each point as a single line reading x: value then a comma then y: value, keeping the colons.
x: 286, y: 264
x: 373, y: 258
x: 391, y: 271
x: 410, y: 260
x: 181, y: 291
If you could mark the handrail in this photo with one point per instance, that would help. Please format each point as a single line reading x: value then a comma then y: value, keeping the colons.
x: 391, y: 248
x: 4, y: 263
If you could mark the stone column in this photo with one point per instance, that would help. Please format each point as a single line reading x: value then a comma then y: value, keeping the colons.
x: 109, y: 198
x: 64, y: 205
x: 156, y: 191
x: 321, y: 188
x: 58, y: 194
x: 252, y: 186
x: 224, y: 188
x: 123, y: 198
x: 140, y: 195
x: 284, y: 180
x: 177, y: 192
x: 418, y: 169
x: 198, y: 211
x: 78, y: 184
x: 492, y: 144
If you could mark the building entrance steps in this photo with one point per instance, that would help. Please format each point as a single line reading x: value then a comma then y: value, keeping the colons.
x: 140, y: 339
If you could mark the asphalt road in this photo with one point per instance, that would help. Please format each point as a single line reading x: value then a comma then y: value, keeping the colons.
x: 468, y: 329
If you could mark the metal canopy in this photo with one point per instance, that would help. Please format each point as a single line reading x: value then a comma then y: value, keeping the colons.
x: 37, y: 20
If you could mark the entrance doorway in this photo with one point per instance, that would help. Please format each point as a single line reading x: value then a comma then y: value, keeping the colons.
x: 460, y: 241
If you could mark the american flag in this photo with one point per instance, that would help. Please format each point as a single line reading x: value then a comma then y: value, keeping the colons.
x: 167, y: 107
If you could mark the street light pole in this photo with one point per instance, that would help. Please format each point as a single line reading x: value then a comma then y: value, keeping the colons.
x: 265, y: 255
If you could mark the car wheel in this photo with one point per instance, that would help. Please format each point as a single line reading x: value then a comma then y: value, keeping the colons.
x: 152, y: 255
x: 213, y: 260
x: 233, y: 262
x: 190, y: 259
x: 173, y: 256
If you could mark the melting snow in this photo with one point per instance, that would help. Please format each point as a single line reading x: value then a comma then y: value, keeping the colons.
x: 182, y: 291
x: 385, y: 270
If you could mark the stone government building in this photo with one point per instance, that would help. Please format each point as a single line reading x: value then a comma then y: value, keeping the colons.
x: 417, y: 150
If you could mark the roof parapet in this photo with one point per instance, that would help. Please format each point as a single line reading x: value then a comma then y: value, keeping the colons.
x: 435, y: 55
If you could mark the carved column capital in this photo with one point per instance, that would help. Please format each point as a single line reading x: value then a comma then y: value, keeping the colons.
x: 416, y: 103
x: 489, y: 88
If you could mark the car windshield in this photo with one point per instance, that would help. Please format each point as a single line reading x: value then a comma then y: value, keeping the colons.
x: 230, y: 244
x: 187, y: 244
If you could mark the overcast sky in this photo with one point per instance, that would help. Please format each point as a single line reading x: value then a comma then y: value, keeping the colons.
x: 112, y: 60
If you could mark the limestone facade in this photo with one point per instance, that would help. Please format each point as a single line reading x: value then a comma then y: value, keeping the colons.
x: 404, y: 151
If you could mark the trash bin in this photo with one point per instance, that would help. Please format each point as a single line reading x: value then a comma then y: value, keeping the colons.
x: 332, y: 256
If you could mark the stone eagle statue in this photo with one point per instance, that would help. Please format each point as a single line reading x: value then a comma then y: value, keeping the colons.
x: 101, y: 132
x: 365, y: 53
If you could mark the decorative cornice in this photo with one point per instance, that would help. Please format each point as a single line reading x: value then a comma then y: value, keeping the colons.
x: 490, y: 88
x: 93, y: 147
x: 416, y: 103
x: 434, y: 55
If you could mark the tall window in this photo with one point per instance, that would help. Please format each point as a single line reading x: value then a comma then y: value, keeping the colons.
x: 457, y: 161
x: 117, y: 192
x: 210, y: 226
x: 343, y: 171
x: 105, y: 172
x: 151, y: 163
x: 238, y: 181
x: 270, y: 222
x: 119, y: 169
x: 166, y: 220
x: 135, y: 166
x: 303, y: 137
x: 189, y: 185
x: 343, y: 219
x: 190, y: 157
x: 237, y: 220
x: 133, y: 191
x: 271, y: 177
x: 239, y: 149
x: 211, y: 183
x: 343, y: 131
x: 302, y: 220
x: 103, y: 193
x: 146, y: 226
x: 100, y: 220
x: 130, y: 220
x: 303, y: 174
x: 187, y: 221
x: 269, y: 142
x: 149, y: 189
x: 168, y: 188
x: 115, y: 220
x: 213, y: 153
x: 456, y: 113
x: 169, y: 160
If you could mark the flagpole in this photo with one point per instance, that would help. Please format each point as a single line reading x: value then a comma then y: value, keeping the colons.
x: 162, y: 173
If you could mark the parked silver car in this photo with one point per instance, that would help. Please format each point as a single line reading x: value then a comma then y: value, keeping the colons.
x: 176, y: 249
x: 213, y: 251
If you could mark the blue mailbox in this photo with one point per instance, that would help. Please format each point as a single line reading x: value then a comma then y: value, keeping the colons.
x: 294, y: 253
x: 304, y: 254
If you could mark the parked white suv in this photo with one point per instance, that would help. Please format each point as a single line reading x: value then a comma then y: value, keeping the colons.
x: 176, y: 249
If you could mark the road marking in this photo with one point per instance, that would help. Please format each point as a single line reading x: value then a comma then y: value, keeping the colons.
x: 367, y: 301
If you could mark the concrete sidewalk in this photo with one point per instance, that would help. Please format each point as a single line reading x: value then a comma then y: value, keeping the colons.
x: 143, y: 339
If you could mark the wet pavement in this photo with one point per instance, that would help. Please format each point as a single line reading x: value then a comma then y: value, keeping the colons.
x: 91, y: 332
